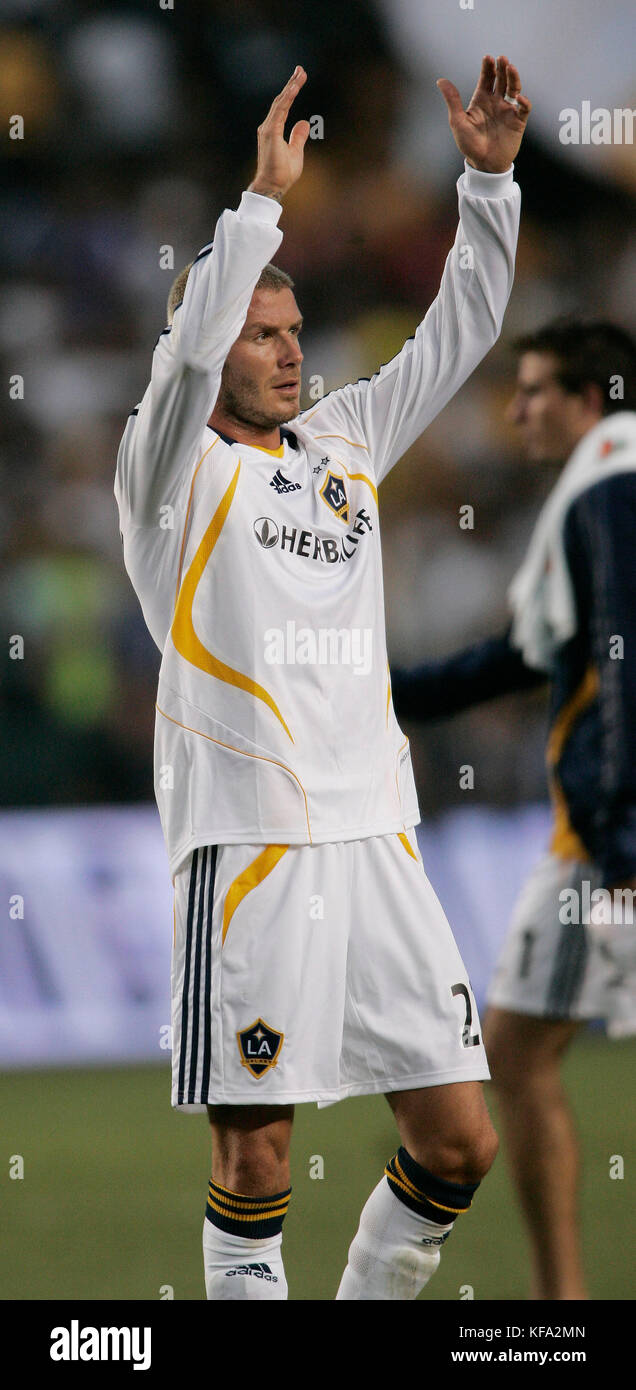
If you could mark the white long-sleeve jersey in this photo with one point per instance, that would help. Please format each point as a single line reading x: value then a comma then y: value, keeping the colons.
x: 260, y: 573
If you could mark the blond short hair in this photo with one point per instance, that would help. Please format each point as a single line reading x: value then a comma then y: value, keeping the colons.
x: 271, y: 278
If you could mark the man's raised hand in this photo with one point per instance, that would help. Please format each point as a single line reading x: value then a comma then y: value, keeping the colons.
x: 490, y: 131
x: 280, y: 164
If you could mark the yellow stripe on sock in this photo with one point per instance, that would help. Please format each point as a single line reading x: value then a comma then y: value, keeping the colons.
x: 410, y: 1191
x: 414, y: 1191
x: 250, y: 1216
x: 234, y: 1199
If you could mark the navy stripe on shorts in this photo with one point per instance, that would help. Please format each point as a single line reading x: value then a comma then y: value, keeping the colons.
x: 196, y: 1022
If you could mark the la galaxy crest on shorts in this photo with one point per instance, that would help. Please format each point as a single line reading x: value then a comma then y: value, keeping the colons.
x: 259, y: 1047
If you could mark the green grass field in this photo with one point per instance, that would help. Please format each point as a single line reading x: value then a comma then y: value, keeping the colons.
x: 113, y: 1193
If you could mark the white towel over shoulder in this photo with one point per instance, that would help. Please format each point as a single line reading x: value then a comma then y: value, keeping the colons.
x: 541, y: 595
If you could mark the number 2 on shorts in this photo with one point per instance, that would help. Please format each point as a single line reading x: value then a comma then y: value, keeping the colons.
x: 468, y: 1039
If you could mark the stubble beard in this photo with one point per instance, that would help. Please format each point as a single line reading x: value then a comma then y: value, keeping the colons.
x: 239, y: 398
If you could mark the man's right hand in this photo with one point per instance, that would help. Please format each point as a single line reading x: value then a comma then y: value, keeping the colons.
x: 280, y: 164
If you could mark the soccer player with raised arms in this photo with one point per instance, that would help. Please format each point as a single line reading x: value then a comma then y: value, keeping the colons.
x: 311, y: 959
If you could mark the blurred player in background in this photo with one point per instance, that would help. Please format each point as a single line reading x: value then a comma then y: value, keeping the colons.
x: 574, y: 623
x: 311, y: 958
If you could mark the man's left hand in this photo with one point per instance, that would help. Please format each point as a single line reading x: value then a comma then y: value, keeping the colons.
x: 490, y: 131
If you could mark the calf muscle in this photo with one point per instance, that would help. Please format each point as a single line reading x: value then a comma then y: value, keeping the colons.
x: 250, y: 1147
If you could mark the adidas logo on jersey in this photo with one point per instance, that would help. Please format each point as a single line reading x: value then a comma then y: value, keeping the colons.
x: 283, y: 484
x: 257, y: 1271
x: 435, y: 1240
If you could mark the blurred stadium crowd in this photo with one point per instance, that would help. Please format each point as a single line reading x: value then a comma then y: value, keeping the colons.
x: 140, y: 128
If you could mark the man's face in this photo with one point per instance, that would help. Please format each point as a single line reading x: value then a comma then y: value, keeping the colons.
x: 550, y: 420
x: 260, y: 383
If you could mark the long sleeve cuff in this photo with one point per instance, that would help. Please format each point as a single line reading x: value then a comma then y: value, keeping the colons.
x: 483, y: 185
x: 261, y: 209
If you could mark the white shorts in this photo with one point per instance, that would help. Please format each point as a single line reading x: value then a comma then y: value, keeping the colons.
x: 315, y: 972
x: 560, y: 960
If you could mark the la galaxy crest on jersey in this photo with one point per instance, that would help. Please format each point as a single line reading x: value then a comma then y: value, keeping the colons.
x: 259, y: 1047
x: 334, y: 493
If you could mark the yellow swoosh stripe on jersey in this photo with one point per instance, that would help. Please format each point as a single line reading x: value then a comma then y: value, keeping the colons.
x: 565, y: 841
x: 250, y: 878
x: 408, y: 847
x: 185, y: 524
x: 185, y: 639
x: 362, y: 477
x: 342, y: 436
x: 244, y: 754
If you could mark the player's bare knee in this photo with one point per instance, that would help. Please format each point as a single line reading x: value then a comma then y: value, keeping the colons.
x: 479, y: 1154
x: 250, y: 1156
x: 488, y: 1151
x: 251, y: 1165
x: 463, y: 1158
x: 256, y: 1175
